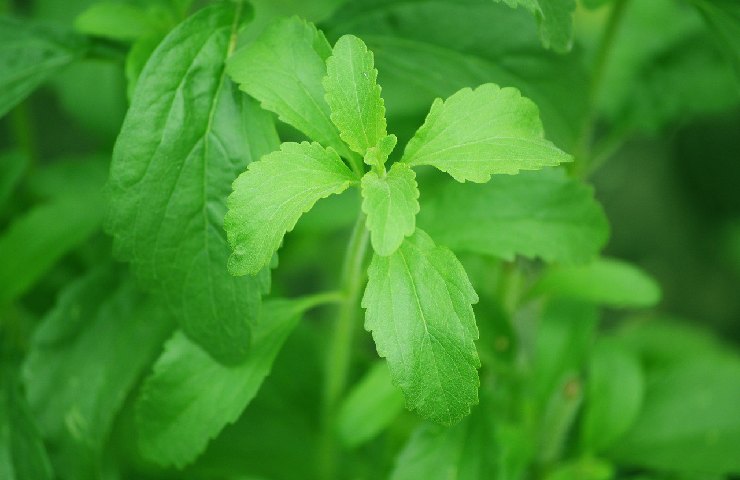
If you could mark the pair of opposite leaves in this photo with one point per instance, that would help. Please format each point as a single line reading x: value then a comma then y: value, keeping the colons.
x: 418, y: 298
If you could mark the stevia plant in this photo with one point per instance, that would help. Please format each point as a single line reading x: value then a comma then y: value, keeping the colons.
x: 189, y: 303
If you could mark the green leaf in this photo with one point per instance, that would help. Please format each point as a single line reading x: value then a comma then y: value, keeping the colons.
x: 583, y: 469
x: 689, y: 420
x: 29, y: 54
x: 12, y: 166
x: 614, y: 392
x: 283, y: 69
x: 555, y: 19
x: 418, y: 304
x: 353, y: 95
x: 605, y: 281
x: 117, y: 21
x: 270, y: 197
x: 186, y: 137
x: 723, y: 16
x: 35, y: 241
x: 376, y: 156
x: 25, y: 453
x: 391, y: 203
x: 84, y: 358
x: 190, y: 398
x: 369, y: 408
x: 541, y: 214
x: 477, y: 133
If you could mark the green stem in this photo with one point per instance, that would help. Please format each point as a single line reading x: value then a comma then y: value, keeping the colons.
x: 319, y: 299
x: 339, y: 356
x: 603, y: 53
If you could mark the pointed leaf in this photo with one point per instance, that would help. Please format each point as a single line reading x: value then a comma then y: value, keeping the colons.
x: 418, y: 304
x: 186, y: 137
x: 541, y: 214
x: 271, y: 196
x: 353, y: 94
x: 190, y: 398
x: 477, y: 133
x: 391, y: 203
x: 283, y: 69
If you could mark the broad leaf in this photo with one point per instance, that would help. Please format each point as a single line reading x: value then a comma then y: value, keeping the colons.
x: 29, y: 54
x: 187, y: 135
x: 353, y: 94
x: 283, y: 69
x: 84, y: 358
x: 477, y: 133
x: 270, y: 197
x: 614, y: 391
x: 555, y: 18
x: 391, y: 203
x: 34, y: 242
x: 117, y: 21
x: 189, y: 397
x: 604, y: 282
x: 370, y: 407
x: 418, y: 304
x: 541, y: 214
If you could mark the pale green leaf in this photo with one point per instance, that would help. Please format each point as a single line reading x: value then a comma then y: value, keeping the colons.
x: 376, y: 156
x: 85, y: 357
x: 605, y: 282
x: 614, y: 391
x: 585, y: 468
x: 541, y: 214
x: 477, y: 133
x: 190, y: 398
x: 370, y: 406
x: 187, y: 136
x: 555, y: 19
x: 418, y: 304
x: 29, y: 54
x: 391, y: 203
x: 115, y: 20
x: 34, y: 242
x: 353, y: 94
x: 283, y: 69
x: 270, y: 197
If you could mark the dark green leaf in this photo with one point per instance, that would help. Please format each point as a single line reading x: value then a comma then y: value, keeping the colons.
x: 723, y: 17
x: 536, y: 214
x: 186, y: 137
x: 555, y: 18
x: 12, y: 166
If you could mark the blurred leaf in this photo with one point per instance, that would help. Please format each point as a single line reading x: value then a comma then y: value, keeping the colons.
x: 34, y: 242
x: 614, y: 392
x: 723, y: 17
x: 657, y: 77
x: 167, y: 218
x: 29, y: 54
x: 12, y: 166
x: 369, y: 407
x: 603, y: 282
x: 418, y: 304
x: 555, y: 18
x: 583, y: 469
x: 137, y: 57
x: 190, y: 397
x: 69, y: 177
x: 689, y: 420
x: 427, y: 49
x: 536, y: 214
x: 20, y: 441
x: 114, y: 20
x: 84, y: 359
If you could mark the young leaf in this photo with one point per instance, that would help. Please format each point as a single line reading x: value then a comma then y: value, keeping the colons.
x: 30, y: 54
x: 187, y: 135
x: 541, y: 214
x: 190, y: 397
x: 418, y: 304
x: 353, y: 95
x: 270, y: 197
x: 604, y: 282
x: 391, y: 203
x: 283, y: 69
x: 369, y: 408
x: 477, y: 133
x: 85, y: 357
x: 555, y: 19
